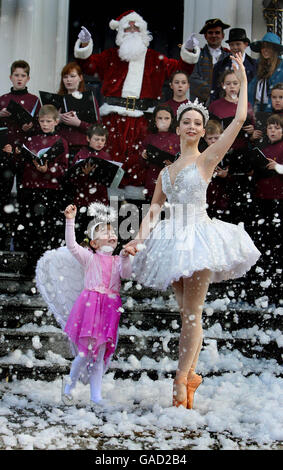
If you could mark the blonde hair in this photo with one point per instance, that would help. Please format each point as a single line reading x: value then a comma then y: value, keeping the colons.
x: 49, y: 109
x: 213, y: 127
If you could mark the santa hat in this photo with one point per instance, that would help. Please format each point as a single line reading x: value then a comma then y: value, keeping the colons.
x: 123, y: 21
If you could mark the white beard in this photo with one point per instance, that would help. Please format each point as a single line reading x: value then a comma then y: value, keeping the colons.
x: 132, y: 47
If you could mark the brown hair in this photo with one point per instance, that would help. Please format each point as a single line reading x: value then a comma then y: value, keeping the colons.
x: 266, y: 67
x: 177, y: 73
x: 68, y: 68
x: 278, y: 86
x: 152, y: 124
x: 21, y: 64
x: 222, y: 79
x: 275, y: 119
x: 97, y: 129
x: 48, y: 109
x: 190, y: 109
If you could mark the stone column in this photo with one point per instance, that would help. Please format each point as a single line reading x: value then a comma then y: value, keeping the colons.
x: 35, y: 31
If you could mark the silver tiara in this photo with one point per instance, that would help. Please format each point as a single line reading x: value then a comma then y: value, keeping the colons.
x: 194, y: 105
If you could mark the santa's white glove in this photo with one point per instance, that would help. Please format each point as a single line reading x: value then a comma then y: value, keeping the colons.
x: 84, y: 35
x: 192, y: 42
x: 279, y: 168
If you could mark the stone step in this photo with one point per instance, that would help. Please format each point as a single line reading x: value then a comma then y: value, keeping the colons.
x: 13, y: 314
x: 148, y: 313
x: 14, y: 280
x: 16, y: 283
x: 48, y: 370
x: 237, y: 316
x: 21, y: 283
x: 10, y: 372
x: 255, y: 343
x: 232, y: 317
x: 13, y: 261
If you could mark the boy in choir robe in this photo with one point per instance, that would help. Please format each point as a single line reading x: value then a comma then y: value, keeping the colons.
x: 268, y: 201
x: 18, y: 132
x: 86, y: 188
x: 40, y: 190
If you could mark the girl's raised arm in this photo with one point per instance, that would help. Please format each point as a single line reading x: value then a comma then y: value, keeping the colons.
x: 210, y: 158
x: 81, y: 254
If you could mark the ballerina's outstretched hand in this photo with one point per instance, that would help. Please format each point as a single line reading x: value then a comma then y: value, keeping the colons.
x: 238, y: 67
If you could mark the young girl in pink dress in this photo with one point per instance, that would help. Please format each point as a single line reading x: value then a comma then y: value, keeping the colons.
x: 93, y: 321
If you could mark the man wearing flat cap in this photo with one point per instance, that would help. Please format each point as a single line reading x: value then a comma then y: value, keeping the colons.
x: 211, y: 53
x: 238, y: 42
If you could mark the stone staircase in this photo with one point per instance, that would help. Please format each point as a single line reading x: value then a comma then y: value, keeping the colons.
x: 242, y: 315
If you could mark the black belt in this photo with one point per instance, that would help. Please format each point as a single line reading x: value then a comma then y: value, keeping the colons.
x: 131, y: 103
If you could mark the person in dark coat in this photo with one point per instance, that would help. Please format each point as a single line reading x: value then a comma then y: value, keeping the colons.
x: 238, y: 42
x: 211, y: 53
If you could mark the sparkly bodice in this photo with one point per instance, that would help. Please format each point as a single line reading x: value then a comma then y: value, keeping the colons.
x: 189, y: 187
x: 186, y: 240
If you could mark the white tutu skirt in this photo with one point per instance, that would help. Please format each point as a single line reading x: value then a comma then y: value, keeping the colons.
x: 173, y: 251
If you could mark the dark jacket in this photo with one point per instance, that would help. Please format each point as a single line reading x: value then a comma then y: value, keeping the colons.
x: 27, y: 101
x: 201, y: 78
x: 32, y: 178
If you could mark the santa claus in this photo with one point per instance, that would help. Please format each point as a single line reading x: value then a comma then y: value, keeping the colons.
x: 132, y: 77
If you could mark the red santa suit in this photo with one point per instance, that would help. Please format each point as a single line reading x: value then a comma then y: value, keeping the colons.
x: 141, y: 78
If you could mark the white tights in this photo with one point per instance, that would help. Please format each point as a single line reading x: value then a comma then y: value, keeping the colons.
x: 95, y: 374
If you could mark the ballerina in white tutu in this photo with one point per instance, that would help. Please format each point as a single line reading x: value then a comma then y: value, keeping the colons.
x: 188, y: 250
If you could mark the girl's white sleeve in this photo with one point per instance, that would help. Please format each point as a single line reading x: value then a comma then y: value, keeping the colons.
x: 81, y: 254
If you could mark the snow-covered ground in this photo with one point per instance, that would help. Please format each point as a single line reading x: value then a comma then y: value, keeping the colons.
x: 238, y: 406
x: 239, y: 409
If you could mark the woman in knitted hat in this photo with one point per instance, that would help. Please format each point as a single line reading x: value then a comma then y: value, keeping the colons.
x: 269, y: 71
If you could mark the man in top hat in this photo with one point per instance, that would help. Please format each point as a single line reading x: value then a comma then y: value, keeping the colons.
x: 238, y: 42
x: 132, y: 78
x: 211, y: 53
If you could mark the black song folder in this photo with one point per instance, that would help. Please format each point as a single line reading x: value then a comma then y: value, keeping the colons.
x: 157, y: 156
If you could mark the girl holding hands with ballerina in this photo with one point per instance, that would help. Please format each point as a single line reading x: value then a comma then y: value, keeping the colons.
x: 81, y: 286
x: 191, y: 252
